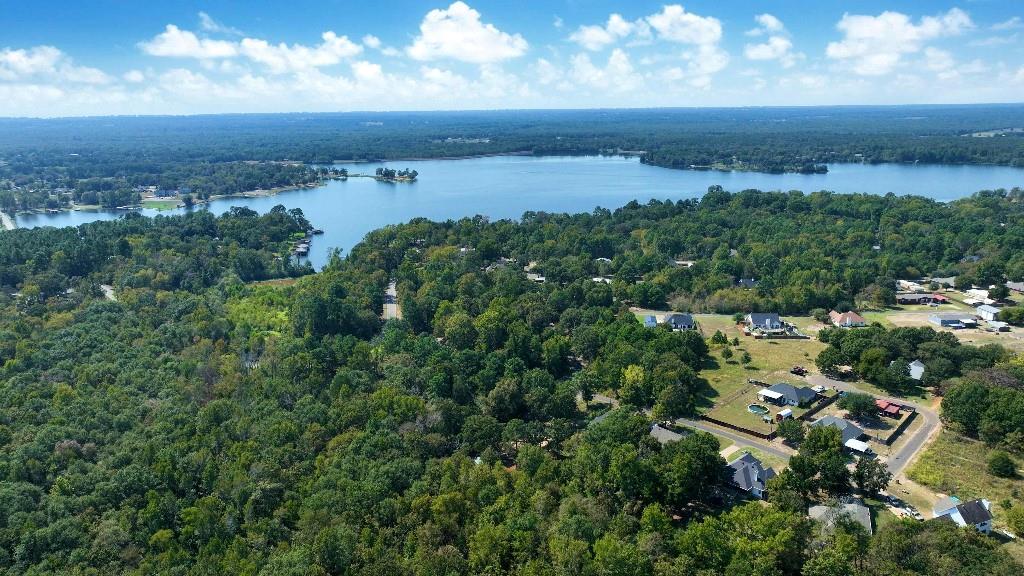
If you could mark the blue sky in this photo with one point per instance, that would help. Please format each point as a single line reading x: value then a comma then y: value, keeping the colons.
x: 118, y: 57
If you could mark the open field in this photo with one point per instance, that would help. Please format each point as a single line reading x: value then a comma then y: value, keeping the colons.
x: 160, y: 204
x: 904, y: 317
x: 958, y: 466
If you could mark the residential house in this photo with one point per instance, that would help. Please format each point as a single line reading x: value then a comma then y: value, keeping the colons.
x: 749, y: 475
x: 945, y: 282
x: 680, y: 321
x: 987, y: 313
x: 854, y: 509
x: 955, y: 320
x: 916, y: 369
x: 787, y: 394
x: 975, y: 513
x: 1015, y: 286
x: 847, y: 319
x: 747, y: 283
x: 650, y: 321
x: 764, y: 321
x: 909, y: 286
x: 847, y: 429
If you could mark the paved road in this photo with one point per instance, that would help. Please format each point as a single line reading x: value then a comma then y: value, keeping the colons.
x: 738, y: 438
x: 392, y: 311
x: 7, y: 221
x: 899, y: 459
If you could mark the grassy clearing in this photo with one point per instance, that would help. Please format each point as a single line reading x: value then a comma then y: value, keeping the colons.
x: 160, y: 204
x: 880, y: 514
x: 771, y: 360
x: 957, y: 465
x: 766, y: 459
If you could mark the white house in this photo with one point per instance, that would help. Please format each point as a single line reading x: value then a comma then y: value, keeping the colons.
x: 916, y: 369
x: 976, y: 513
x: 987, y: 313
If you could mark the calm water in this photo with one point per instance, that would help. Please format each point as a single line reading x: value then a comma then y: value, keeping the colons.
x: 506, y: 187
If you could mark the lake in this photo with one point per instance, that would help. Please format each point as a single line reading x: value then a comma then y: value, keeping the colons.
x: 508, y: 186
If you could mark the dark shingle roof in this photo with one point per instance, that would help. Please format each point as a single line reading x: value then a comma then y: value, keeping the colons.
x: 679, y: 321
x: 974, y: 512
x: 748, y: 472
x: 849, y: 430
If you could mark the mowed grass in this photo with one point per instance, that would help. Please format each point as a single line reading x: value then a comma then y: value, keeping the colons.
x: 160, y: 204
x: 959, y: 466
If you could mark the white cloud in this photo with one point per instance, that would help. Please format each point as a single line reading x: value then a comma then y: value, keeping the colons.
x: 875, y: 45
x: 457, y: 33
x: 278, y: 58
x: 285, y: 58
x: 1011, y: 24
x: 372, y: 41
x: 617, y: 75
x: 597, y: 37
x: 208, y: 24
x: 775, y: 48
x: 675, y: 24
x: 177, y: 43
x: 767, y: 24
x: 134, y: 76
x: 46, y: 63
x: 778, y: 46
x: 558, y: 22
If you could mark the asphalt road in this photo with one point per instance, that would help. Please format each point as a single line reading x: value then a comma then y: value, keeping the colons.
x: 391, y: 309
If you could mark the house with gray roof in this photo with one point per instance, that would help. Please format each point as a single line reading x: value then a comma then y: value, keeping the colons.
x: 766, y: 321
x: 680, y: 321
x: 784, y: 393
x: 975, y: 513
x: 749, y: 475
x: 854, y: 509
x: 847, y: 429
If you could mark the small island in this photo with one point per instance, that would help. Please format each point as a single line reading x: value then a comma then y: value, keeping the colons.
x: 392, y: 175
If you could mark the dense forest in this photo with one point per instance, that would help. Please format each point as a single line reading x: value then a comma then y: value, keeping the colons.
x: 46, y: 163
x: 200, y: 423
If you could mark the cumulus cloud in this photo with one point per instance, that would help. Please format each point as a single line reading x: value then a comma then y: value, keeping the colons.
x: 675, y: 24
x: 617, y: 75
x: 457, y: 33
x: 597, y: 37
x: 177, y: 43
x: 46, y: 63
x: 875, y: 45
x: 278, y: 58
x: 371, y: 41
x: 777, y: 46
x: 283, y: 58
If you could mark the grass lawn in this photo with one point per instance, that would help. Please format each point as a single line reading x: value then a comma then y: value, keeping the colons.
x: 160, y: 204
x: 958, y: 466
x: 771, y: 360
x: 767, y: 459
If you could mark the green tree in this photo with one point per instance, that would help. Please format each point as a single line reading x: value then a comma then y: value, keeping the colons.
x: 1000, y: 464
